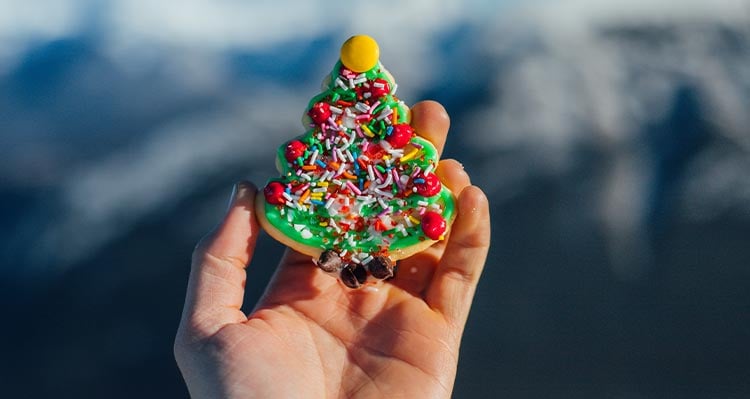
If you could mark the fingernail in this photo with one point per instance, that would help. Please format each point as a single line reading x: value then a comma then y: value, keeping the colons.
x: 463, y: 170
x: 239, y: 192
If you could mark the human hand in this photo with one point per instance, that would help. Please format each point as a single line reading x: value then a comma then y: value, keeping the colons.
x: 309, y: 335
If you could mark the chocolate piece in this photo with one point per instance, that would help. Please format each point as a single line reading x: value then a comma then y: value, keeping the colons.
x: 353, y: 276
x: 349, y: 278
x: 381, y: 267
x: 330, y: 262
x: 360, y: 273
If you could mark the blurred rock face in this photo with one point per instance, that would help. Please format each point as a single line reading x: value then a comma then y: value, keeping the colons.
x: 613, y: 142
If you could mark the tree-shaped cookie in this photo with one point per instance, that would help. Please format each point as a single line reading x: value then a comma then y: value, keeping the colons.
x: 357, y: 191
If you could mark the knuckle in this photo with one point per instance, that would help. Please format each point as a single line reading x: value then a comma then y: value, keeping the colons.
x: 475, y: 240
x: 460, y: 274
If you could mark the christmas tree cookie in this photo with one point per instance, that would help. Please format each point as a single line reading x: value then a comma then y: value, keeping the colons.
x: 357, y: 191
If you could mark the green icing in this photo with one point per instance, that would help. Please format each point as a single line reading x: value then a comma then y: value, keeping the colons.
x: 335, y: 92
x: 323, y: 236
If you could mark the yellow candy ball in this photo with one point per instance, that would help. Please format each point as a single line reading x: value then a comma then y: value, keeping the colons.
x: 360, y: 53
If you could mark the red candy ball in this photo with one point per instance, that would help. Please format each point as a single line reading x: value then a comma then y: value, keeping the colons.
x: 400, y: 136
x: 320, y: 112
x: 377, y: 92
x: 433, y: 225
x: 430, y: 187
x: 274, y: 193
x: 294, y: 150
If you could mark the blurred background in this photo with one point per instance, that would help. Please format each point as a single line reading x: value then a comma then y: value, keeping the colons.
x: 613, y: 138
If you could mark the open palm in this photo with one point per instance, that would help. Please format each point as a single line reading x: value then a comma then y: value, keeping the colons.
x: 310, y: 336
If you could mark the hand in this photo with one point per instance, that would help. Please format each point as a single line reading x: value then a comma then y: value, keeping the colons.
x: 309, y: 335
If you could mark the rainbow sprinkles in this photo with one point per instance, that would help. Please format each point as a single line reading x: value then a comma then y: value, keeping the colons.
x: 358, y: 189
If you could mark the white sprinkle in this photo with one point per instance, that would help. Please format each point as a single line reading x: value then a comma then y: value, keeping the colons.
x: 367, y: 95
x: 342, y: 158
x: 306, y: 234
x: 385, y: 113
x: 367, y: 260
x: 386, y: 194
x: 429, y: 168
x: 286, y: 195
x: 341, y: 84
x: 422, y: 203
x: 341, y: 168
x: 362, y: 107
x: 394, y: 88
x: 378, y: 85
x: 388, y: 181
x: 343, y: 253
x: 299, y: 227
x: 329, y: 203
x: 382, y: 203
x: 314, y: 157
x: 349, y: 154
x: 336, y: 110
x: 370, y: 172
x: 305, y: 176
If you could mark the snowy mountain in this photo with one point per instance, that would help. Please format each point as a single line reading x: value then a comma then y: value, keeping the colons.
x: 612, y: 137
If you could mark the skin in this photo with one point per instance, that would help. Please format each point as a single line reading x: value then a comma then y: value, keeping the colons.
x: 309, y: 335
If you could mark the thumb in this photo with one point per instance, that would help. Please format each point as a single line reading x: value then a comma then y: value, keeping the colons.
x: 217, y: 277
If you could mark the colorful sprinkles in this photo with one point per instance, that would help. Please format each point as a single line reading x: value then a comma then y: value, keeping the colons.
x: 360, y: 180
